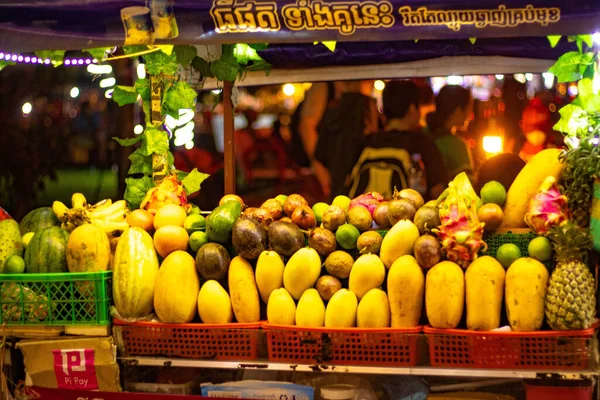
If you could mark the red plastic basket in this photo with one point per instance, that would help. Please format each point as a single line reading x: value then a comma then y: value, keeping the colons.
x: 376, y: 347
x: 544, y: 350
x: 198, y: 341
x: 559, y: 393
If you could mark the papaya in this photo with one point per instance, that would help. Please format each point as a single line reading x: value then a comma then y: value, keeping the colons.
x: 367, y: 273
x: 543, y: 164
x: 445, y: 295
x: 177, y: 287
x: 10, y: 241
x: 214, y: 304
x: 301, y: 271
x: 134, y: 274
x: 525, y: 294
x: 219, y: 223
x: 311, y: 310
x: 373, y: 310
x: 242, y: 288
x: 281, y: 309
x: 341, y: 310
x: 88, y: 249
x: 269, y: 273
x: 484, y: 283
x: 405, y: 285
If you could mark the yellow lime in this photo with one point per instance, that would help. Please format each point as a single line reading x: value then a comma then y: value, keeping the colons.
x: 493, y: 192
x: 341, y: 201
x: 14, y: 265
x: 197, y: 240
x: 27, y: 238
x: 507, y: 254
x: 281, y: 198
x: 540, y: 249
x: 194, y: 223
x: 346, y: 236
x: 319, y: 209
x: 194, y: 210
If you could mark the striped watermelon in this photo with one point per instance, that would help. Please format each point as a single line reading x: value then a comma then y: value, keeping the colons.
x: 134, y: 274
x: 38, y: 219
x: 47, y: 251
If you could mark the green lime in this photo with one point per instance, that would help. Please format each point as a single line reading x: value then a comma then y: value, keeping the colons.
x: 27, y: 238
x: 540, y: 248
x: 346, y: 236
x: 194, y: 223
x: 281, y: 198
x: 14, y: 265
x: 195, y: 210
x: 342, y: 201
x: 319, y: 209
x: 197, y: 240
x: 493, y: 192
x: 507, y: 254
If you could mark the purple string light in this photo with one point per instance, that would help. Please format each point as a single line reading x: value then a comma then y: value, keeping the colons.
x: 25, y: 59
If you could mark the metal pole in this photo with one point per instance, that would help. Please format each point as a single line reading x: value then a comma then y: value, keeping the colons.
x: 229, y: 151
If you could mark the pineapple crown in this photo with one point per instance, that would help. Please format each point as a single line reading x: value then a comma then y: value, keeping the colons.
x: 570, y: 242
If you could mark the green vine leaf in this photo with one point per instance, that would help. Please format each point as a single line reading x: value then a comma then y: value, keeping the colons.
x: 553, y: 39
x: 154, y: 141
x: 202, y: 66
x: 134, y: 49
x: 4, y: 63
x: 185, y: 54
x: 572, y: 66
x: 261, y: 65
x: 245, y: 54
x: 193, y: 181
x: 572, y: 119
x: 98, y: 53
x: 136, y: 190
x: 142, y: 87
x: 128, y: 141
x: 472, y: 40
x: 140, y: 164
x: 179, y: 96
x: 587, y: 99
x: 226, y: 68
x: 166, y: 48
x: 123, y: 95
x: 161, y: 63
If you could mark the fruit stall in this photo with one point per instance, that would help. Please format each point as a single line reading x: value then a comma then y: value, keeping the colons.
x: 368, y: 297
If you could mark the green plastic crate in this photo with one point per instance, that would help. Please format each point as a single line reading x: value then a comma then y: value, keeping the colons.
x: 495, y: 240
x: 56, y: 299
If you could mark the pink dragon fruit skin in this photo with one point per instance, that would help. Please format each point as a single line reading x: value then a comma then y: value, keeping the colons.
x: 547, y: 208
x: 370, y: 201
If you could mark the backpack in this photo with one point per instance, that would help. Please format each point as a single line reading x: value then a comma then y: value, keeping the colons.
x: 380, y: 170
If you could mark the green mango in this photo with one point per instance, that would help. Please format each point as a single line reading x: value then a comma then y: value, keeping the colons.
x: 219, y: 223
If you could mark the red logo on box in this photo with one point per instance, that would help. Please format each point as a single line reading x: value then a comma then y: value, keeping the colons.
x: 74, y: 369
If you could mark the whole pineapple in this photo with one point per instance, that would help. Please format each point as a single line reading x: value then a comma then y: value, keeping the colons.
x: 571, y: 297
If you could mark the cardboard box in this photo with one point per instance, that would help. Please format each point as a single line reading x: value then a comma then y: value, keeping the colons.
x: 263, y: 390
x: 77, y: 364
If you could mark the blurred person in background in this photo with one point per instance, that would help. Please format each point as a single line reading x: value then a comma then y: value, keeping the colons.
x: 426, y: 104
x: 536, y: 126
x: 454, y: 106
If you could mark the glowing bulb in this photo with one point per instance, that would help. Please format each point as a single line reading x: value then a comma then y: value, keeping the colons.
x: 520, y: 78
x: 1, y: 55
x: 189, y: 145
x: 138, y: 129
x: 499, y: 77
x: 27, y: 108
x: 20, y: 58
x: 74, y: 92
x: 98, y: 69
x: 596, y: 37
x: 141, y: 71
x: 548, y: 80
x: 185, y: 116
x: 189, y: 127
x: 492, y: 144
x: 379, y: 85
x: 289, y: 89
x: 170, y: 122
x: 108, y: 82
x: 108, y: 93
x: 529, y: 77
x: 573, y: 90
x: 455, y: 80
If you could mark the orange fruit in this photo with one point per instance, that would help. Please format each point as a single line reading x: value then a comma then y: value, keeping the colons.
x: 170, y: 214
x: 170, y: 238
x: 142, y: 219
x: 491, y: 214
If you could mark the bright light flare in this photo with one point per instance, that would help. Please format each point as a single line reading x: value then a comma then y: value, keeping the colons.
x: 98, y: 69
x: 141, y: 71
x: 138, y: 129
x: 27, y: 108
x: 455, y: 80
x: 108, y: 82
x: 492, y: 144
x: 379, y: 85
x: 189, y: 145
x: 499, y: 77
x: 74, y: 92
x: 289, y: 89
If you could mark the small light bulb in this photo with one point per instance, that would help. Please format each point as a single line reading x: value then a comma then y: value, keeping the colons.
x: 74, y: 92
x: 189, y: 145
x: 499, y: 77
x: 138, y: 129
x: 289, y: 89
x: 27, y: 108
x: 379, y: 85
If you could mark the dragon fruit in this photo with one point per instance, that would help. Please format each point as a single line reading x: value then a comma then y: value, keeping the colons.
x: 370, y: 201
x: 547, y: 208
x: 4, y: 215
x: 460, y: 231
x: 169, y: 191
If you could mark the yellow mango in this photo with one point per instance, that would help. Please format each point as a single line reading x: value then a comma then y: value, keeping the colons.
x: 269, y: 273
x: 243, y: 291
x: 281, y: 309
x: 341, y: 310
x: 301, y: 271
x: 373, y: 310
x: 525, y: 294
x: 399, y: 241
x: 405, y: 285
x: 311, y: 310
x: 214, y: 304
x: 445, y: 295
x: 367, y: 273
x: 543, y: 164
x: 484, y: 282
x: 177, y: 287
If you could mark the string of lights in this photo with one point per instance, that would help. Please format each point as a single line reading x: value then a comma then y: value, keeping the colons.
x: 27, y: 59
